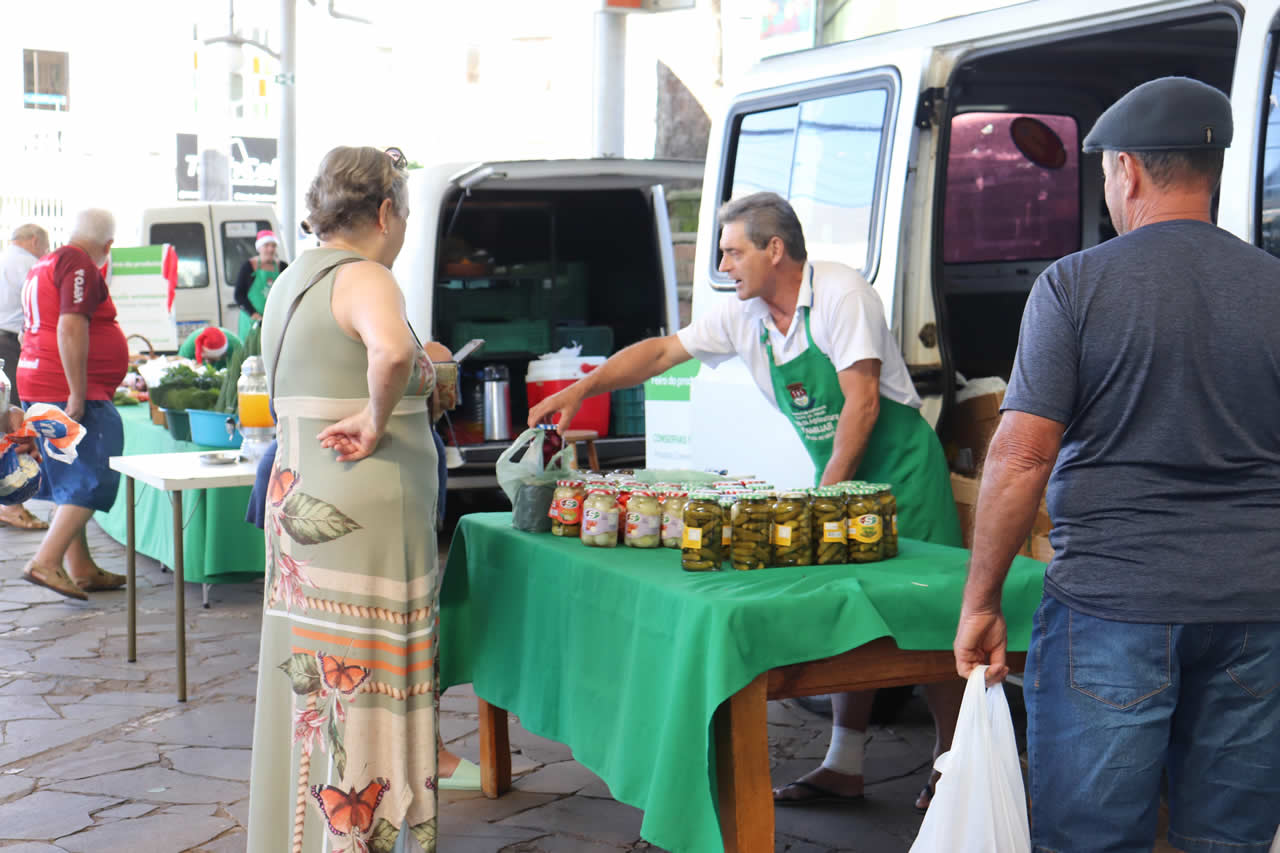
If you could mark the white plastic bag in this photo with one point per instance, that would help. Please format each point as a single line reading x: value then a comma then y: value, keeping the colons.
x: 528, y: 485
x: 512, y: 472
x: 980, y: 805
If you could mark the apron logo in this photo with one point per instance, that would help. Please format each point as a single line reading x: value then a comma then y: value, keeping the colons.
x: 799, y: 396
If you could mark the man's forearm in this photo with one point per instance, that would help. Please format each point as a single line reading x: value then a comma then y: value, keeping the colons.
x: 1008, y: 501
x: 631, y: 366
x: 853, y: 431
x: 73, y: 349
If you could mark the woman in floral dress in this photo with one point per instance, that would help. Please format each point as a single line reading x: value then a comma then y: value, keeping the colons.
x: 344, y: 747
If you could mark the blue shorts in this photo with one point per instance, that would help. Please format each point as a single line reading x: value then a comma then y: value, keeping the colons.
x: 88, y: 481
x: 1113, y: 706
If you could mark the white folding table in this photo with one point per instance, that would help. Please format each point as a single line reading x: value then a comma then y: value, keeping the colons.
x: 173, y: 473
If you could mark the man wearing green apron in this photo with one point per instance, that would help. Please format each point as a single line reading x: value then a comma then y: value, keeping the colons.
x: 814, y: 337
x: 255, y: 279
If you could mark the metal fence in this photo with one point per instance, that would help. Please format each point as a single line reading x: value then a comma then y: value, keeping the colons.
x: 46, y: 211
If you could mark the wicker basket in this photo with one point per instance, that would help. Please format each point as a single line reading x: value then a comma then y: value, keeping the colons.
x: 134, y: 359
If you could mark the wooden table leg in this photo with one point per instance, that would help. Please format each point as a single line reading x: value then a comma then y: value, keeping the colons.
x: 179, y: 604
x: 131, y: 569
x: 592, y: 457
x: 495, y: 751
x: 742, y: 770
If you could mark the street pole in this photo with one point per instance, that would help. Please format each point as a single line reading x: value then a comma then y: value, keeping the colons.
x: 287, y: 180
x: 610, y: 85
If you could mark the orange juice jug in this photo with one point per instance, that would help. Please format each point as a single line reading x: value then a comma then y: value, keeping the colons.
x: 254, y: 406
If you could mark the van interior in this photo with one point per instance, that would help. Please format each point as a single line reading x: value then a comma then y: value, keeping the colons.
x: 1015, y: 193
x: 531, y: 272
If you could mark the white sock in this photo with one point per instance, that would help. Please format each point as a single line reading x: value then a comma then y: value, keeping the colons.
x: 846, y: 751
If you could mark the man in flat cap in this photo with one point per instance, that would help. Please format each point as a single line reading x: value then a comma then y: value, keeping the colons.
x: 1146, y: 392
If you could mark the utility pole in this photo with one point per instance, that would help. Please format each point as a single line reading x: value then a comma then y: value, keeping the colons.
x: 287, y: 146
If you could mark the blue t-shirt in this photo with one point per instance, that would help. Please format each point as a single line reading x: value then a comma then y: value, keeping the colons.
x: 1160, y: 353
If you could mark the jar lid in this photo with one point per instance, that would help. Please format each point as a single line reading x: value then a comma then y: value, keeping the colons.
x: 703, y: 495
x: 795, y: 494
x: 252, y: 365
x: 569, y: 484
x: 756, y: 496
x: 881, y: 487
x: 603, y: 491
x: 644, y: 493
x: 676, y: 493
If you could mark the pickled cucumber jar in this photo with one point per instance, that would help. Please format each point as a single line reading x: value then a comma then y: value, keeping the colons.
x: 566, y: 508
x: 866, y: 526
x: 792, y: 530
x: 600, y: 519
x: 727, y: 501
x: 700, y: 546
x: 889, y: 515
x: 752, y: 518
x: 830, y: 527
x: 644, y: 520
x: 673, y: 503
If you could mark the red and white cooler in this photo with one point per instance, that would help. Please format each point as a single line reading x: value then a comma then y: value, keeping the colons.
x: 547, y: 376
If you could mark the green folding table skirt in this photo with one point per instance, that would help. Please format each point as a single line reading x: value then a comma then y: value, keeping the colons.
x: 625, y: 657
x: 219, y: 546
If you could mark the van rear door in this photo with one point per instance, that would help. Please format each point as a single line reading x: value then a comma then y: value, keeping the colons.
x: 1250, y: 197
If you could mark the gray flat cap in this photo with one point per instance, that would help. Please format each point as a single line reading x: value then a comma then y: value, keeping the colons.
x: 1171, y: 113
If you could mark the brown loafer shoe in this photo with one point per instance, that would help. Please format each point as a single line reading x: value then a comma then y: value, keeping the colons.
x: 54, y: 578
x: 101, y: 580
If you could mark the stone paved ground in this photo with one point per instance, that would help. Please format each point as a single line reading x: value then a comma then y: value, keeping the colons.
x: 97, y: 756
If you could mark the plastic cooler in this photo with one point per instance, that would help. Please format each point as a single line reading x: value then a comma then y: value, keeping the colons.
x: 550, y: 375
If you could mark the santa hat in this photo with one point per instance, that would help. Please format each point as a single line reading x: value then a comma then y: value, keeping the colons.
x: 265, y: 237
x: 211, y: 344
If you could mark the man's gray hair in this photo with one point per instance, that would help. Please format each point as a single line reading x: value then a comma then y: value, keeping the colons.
x: 94, y: 226
x: 765, y: 216
x: 29, y: 231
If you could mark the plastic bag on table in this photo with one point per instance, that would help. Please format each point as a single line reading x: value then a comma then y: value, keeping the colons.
x: 980, y: 805
x: 529, y: 484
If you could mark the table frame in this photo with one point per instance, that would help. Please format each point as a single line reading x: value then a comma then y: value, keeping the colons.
x: 745, y: 791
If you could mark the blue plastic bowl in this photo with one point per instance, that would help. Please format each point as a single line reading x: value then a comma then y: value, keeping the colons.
x: 210, y: 428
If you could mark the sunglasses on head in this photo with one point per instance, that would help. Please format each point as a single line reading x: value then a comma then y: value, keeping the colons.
x: 397, y: 157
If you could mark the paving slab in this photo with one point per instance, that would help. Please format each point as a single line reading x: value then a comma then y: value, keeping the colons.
x: 156, y: 784
x: 180, y: 832
x: 208, y: 761
x: 597, y: 820
x: 48, y: 814
x: 26, y: 708
x: 233, y: 841
x: 563, y: 844
x: 475, y: 806
x: 240, y: 811
x: 218, y: 724
x: 34, y: 847
x: 126, y: 811
x: 13, y: 786
x: 539, y: 749
x: 96, y: 759
x: 467, y: 836
x: 563, y: 777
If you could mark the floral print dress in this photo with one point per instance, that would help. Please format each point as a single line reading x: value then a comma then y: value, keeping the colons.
x: 344, y: 747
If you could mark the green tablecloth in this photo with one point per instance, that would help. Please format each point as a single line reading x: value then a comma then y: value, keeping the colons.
x: 625, y: 657
x: 219, y: 546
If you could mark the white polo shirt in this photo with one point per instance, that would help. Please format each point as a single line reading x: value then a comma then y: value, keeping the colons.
x: 846, y: 318
x: 15, y: 263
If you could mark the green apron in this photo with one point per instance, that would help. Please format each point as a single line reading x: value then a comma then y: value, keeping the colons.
x: 903, y: 449
x: 262, y: 281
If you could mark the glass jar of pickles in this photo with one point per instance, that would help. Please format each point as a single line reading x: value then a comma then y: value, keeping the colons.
x: 752, y: 521
x: 792, y: 530
x: 600, y: 519
x: 644, y: 520
x: 866, y: 526
x: 700, y: 541
x: 673, y: 503
x: 830, y: 527
x: 889, y: 517
x: 566, y: 508
x: 727, y: 501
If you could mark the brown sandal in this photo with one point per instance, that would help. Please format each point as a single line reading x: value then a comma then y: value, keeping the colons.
x: 57, y: 580
x: 21, y: 518
x: 101, y: 581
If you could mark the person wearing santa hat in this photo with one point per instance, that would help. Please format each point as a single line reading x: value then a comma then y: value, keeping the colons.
x: 210, y: 345
x: 255, y: 278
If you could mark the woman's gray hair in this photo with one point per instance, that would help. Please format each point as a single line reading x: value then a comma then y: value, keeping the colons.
x: 350, y: 186
x: 765, y: 216
x: 93, y: 226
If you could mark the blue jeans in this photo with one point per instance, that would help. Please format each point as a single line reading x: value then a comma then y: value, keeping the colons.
x: 1113, y: 705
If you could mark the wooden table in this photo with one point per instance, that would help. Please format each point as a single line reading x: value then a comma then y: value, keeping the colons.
x: 173, y: 473
x: 745, y: 791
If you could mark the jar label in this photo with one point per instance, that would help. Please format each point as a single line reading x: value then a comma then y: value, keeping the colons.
x: 673, y: 527
x: 570, y: 511
x: 866, y: 528
x: 895, y: 524
x: 598, y: 521
x: 782, y: 535
x: 834, y: 531
x: 692, y: 538
x: 726, y: 536
x: 639, y: 524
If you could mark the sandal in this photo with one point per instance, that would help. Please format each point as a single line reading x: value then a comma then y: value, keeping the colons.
x: 21, y: 518
x: 54, y: 578
x: 101, y: 581
x: 815, y: 795
x: 466, y: 777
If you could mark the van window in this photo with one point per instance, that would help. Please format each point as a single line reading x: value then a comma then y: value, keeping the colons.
x: 1002, y: 206
x: 187, y: 239
x: 238, y: 240
x: 825, y: 156
x: 1269, y: 197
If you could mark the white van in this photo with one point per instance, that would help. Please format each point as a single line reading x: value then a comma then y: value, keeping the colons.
x: 530, y: 255
x: 944, y: 162
x: 213, y: 240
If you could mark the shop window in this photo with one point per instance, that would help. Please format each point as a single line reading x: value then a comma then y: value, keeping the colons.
x: 46, y: 80
x: 826, y: 155
x: 1013, y: 188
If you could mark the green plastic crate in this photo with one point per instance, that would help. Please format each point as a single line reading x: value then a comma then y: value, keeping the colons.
x: 488, y: 299
x: 626, y: 411
x: 559, y: 300
x: 595, y: 340
x: 531, y: 337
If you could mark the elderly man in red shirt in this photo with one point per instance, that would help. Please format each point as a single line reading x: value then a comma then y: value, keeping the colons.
x: 74, y: 356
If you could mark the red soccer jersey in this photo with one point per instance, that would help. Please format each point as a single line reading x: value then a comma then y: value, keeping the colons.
x: 67, y: 282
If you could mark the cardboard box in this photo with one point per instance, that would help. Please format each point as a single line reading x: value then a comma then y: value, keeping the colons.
x: 969, y: 430
x: 965, y: 491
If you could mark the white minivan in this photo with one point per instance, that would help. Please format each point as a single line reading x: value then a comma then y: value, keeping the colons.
x: 212, y: 240
x: 944, y: 162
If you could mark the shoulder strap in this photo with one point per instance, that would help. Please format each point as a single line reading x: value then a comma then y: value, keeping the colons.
x: 293, y: 306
